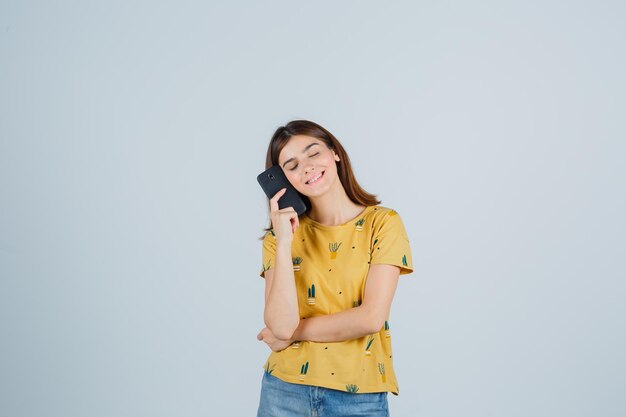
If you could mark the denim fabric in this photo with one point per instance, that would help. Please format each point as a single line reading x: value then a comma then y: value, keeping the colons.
x: 284, y: 399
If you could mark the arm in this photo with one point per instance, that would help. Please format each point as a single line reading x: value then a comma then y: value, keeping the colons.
x: 281, y: 314
x: 368, y: 318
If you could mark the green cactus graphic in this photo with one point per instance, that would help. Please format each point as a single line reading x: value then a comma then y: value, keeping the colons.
x: 386, y: 325
x: 381, y: 370
x: 311, y: 299
x: 296, y: 263
x: 404, y: 261
x: 272, y: 232
x: 268, y: 369
x: 373, y: 245
x: 352, y: 388
x: 359, y: 224
x: 370, y: 340
x: 334, y: 247
x: 269, y: 265
x: 356, y: 303
x: 303, y: 370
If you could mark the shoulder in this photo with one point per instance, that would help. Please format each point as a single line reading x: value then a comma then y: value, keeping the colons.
x: 382, y: 212
x: 385, y: 217
x: 386, y: 210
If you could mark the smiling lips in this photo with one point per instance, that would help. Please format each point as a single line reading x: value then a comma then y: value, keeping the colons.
x: 316, y: 179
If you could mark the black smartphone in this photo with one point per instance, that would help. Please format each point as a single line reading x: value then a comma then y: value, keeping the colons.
x: 272, y: 180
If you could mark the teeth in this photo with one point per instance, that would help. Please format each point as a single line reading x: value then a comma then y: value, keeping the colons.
x: 314, y: 179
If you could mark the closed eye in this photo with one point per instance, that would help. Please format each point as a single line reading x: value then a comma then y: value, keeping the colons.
x: 310, y: 156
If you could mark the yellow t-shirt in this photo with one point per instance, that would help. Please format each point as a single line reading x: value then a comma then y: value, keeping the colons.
x: 330, y: 266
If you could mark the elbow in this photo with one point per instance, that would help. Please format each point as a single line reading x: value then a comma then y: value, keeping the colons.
x: 283, y: 333
x: 284, y: 330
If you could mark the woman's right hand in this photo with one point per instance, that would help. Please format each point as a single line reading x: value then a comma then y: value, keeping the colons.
x: 284, y: 221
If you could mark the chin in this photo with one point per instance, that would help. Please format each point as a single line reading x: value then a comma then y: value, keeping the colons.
x: 318, y: 192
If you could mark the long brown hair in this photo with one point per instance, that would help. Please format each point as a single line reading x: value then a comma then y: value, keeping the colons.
x: 305, y: 127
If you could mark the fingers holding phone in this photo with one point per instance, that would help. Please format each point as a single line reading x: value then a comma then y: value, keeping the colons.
x: 284, y: 213
x: 284, y: 221
x: 273, y: 180
x: 275, y: 198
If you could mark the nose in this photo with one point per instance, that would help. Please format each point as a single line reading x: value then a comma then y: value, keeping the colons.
x: 308, y: 169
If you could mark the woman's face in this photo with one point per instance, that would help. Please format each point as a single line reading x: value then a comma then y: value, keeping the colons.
x: 304, y: 158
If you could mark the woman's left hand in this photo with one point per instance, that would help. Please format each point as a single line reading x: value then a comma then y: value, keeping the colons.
x: 272, y: 341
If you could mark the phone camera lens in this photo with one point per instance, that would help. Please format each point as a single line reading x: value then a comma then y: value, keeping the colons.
x: 271, y: 176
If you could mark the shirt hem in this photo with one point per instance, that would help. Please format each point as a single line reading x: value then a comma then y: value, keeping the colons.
x: 403, y: 269
x: 336, y: 386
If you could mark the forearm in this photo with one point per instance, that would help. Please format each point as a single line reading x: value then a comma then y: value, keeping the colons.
x: 345, y: 325
x: 281, y: 312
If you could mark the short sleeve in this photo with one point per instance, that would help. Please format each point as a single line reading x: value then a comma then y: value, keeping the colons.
x: 268, y: 252
x: 390, y: 244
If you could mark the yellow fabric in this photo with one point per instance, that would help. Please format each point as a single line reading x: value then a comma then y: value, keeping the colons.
x: 330, y: 269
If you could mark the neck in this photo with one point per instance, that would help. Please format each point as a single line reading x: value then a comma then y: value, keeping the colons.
x: 334, y: 207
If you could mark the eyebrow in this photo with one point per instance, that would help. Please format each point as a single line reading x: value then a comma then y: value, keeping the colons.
x: 303, y: 151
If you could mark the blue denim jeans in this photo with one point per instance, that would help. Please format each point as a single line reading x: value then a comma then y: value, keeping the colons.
x: 284, y: 399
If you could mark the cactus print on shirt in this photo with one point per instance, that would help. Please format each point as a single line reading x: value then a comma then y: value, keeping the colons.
x: 330, y: 269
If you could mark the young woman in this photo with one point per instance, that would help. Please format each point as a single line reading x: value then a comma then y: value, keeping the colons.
x: 330, y: 277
